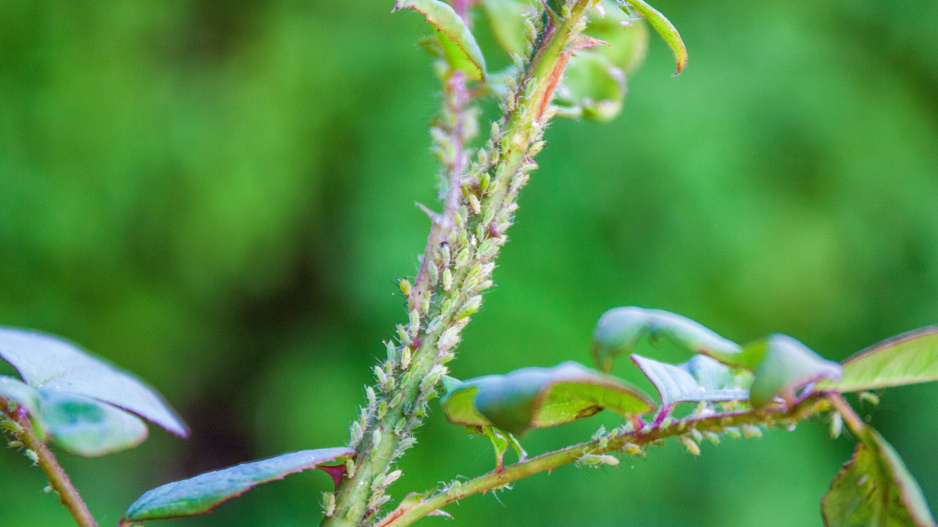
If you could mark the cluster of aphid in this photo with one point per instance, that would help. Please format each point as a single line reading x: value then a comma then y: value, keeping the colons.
x: 454, y: 272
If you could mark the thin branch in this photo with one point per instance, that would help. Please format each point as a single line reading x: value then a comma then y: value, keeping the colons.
x: 27, y: 435
x: 413, y: 509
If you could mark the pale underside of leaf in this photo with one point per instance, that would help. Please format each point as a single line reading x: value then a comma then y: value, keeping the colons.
x: 15, y: 390
x: 54, y: 364
x: 909, y: 358
x: 664, y: 27
x: 875, y: 489
x: 201, y: 494
x: 676, y: 385
x: 85, y: 427
x: 459, y: 45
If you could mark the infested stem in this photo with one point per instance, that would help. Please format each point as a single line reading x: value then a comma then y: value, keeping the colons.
x: 414, y: 509
x: 26, y: 434
x: 479, y: 205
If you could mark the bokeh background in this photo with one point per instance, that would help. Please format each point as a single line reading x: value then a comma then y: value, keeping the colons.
x: 219, y: 196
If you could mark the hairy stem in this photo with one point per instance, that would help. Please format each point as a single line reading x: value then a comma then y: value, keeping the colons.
x: 632, y: 442
x: 479, y: 205
x: 26, y: 434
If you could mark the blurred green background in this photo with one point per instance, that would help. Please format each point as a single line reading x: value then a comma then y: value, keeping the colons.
x: 219, y: 196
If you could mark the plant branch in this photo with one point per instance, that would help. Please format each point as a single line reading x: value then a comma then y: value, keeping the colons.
x: 414, y: 508
x: 479, y: 205
x: 26, y: 434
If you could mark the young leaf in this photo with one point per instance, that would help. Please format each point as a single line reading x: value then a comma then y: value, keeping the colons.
x: 593, y: 88
x: 676, y: 385
x: 54, y: 364
x: 15, y: 390
x: 781, y: 365
x: 459, y: 46
x: 905, y: 359
x: 540, y: 397
x: 506, y: 18
x: 625, y: 39
x: 619, y: 330
x: 85, y: 427
x: 201, y: 494
x: 875, y: 488
x: 664, y: 27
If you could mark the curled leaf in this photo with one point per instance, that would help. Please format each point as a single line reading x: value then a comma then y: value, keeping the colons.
x: 675, y: 384
x: 52, y: 364
x: 781, y: 365
x: 875, y: 488
x: 664, y: 27
x: 905, y: 359
x: 459, y: 45
x: 619, y: 330
x: 201, y: 494
x: 539, y: 398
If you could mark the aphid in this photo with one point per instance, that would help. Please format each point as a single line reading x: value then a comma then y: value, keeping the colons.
x: 837, y: 425
x: 382, y: 409
x: 633, y: 450
x: 869, y: 397
x: 396, y: 401
x: 406, y: 287
x: 328, y: 504
x: 713, y: 438
x: 392, y: 351
x: 372, y: 398
x: 751, y: 431
x: 690, y: 445
x: 696, y: 435
x: 447, y: 279
x: 470, y: 308
x: 382, y: 377
x: 474, y: 204
x: 595, y: 460
x: 350, y: 467
x: 32, y: 456
x: 733, y: 432
x: 405, y: 357
x: 357, y: 434
x: 445, y: 255
x: 414, y: 322
x: 463, y: 257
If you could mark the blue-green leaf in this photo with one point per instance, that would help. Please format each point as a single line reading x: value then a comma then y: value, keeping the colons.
x: 540, y: 397
x: 201, y: 494
x: 56, y: 365
x: 781, y: 365
x: 82, y: 426
x: 620, y: 330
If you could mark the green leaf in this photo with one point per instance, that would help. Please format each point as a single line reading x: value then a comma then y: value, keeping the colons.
x: 675, y: 384
x: 54, y: 364
x: 664, y: 27
x: 593, y: 88
x: 875, y: 489
x: 459, y: 46
x: 506, y: 18
x: 625, y: 40
x: 201, y: 494
x: 905, y: 359
x: 781, y: 365
x: 17, y: 391
x: 620, y: 330
x: 82, y: 426
x: 540, y: 397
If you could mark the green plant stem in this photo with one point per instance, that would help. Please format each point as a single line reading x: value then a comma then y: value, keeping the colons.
x: 72, y: 501
x: 465, y: 239
x: 412, y: 509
